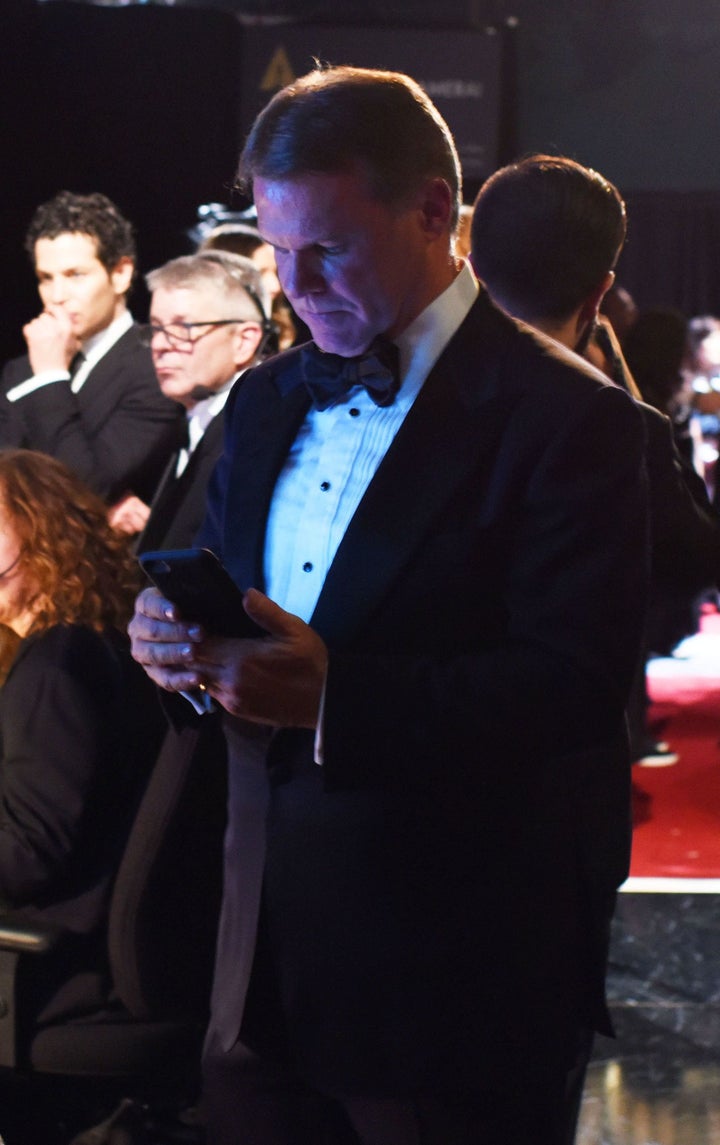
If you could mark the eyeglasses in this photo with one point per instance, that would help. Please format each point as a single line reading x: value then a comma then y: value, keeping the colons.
x: 179, y: 334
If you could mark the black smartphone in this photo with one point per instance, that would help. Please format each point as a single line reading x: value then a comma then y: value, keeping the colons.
x: 203, y: 590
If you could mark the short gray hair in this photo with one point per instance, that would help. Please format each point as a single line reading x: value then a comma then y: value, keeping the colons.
x: 233, y: 274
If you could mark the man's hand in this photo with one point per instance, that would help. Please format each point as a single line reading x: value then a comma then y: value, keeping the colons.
x: 51, y: 343
x: 128, y: 515
x: 277, y: 679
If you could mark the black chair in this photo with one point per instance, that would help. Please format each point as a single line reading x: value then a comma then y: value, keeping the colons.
x: 132, y: 1054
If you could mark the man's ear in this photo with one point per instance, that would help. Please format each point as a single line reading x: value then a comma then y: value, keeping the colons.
x: 122, y: 275
x: 591, y: 305
x: 246, y: 342
x: 436, y: 205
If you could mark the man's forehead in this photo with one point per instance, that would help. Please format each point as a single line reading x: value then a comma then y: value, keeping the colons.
x: 187, y: 296
x: 313, y: 206
x: 65, y: 246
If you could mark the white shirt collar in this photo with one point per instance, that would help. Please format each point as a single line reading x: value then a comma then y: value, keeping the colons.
x: 424, y: 340
x: 98, y: 344
x: 203, y: 412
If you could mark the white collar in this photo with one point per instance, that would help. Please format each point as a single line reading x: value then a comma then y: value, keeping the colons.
x: 424, y: 340
x: 97, y: 345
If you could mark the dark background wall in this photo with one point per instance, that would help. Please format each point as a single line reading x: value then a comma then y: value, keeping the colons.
x: 630, y: 88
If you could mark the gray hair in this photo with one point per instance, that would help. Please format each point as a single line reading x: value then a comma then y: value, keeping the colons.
x: 233, y: 274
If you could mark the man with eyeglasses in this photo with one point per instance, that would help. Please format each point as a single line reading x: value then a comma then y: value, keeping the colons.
x: 207, y: 325
x: 85, y: 392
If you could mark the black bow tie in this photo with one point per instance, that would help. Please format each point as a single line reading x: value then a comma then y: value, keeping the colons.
x: 329, y: 376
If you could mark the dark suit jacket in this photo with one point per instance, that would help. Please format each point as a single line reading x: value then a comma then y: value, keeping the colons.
x: 116, y: 433
x: 437, y: 894
x: 178, y: 508
x: 79, y: 730
x: 684, y: 526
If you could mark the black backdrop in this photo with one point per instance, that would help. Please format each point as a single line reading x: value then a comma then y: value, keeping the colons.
x: 671, y: 254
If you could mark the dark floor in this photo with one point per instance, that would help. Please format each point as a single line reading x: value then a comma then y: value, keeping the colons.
x: 658, y: 1083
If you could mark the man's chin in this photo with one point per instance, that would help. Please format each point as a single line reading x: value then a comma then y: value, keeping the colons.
x: 348, y: 346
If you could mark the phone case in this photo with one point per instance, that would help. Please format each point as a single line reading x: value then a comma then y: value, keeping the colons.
x: 203, y: 590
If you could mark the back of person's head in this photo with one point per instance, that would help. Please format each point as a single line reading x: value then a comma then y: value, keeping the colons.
x: 233, y: 276
x: 94, y: 215
x: 76, y: 568
x: 237, y: 238
x: 338, y: 119
x: 546, y: 232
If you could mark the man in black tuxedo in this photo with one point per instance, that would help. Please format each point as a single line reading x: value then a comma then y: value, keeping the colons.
x: 429, y: 781
x: 86, y: 391
x: 208, y: 324
x: 546, y: 236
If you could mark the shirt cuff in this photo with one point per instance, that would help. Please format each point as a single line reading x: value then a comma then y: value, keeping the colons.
x: 318, y: 752
x: 45, y: 378
x: 201, y: 701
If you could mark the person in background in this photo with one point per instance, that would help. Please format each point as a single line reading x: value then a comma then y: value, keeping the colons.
x: 546, y: 235
x: 701, y: 396
x: 207, y: 325
x: 656, y: 351
x: 620, y: 308
x: 79, y: 727
x: 462, y: 238
x: 244, y: 239
x: 85, y: 392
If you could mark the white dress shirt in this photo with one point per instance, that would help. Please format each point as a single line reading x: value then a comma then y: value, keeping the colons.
x: 336, y: 454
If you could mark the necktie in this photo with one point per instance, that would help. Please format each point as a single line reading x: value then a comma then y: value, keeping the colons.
x: 329, y: 376
x: 76, y: 363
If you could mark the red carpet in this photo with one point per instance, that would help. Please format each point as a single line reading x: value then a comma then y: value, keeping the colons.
x: 677, y: 808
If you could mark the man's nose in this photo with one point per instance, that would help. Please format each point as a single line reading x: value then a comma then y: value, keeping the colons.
x: 301, y: 274
x: 55, y: 291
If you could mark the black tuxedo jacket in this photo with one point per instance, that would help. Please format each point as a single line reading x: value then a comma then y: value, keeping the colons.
x: 116, y: 433
x: 178, y: 508
x: 437, y: 894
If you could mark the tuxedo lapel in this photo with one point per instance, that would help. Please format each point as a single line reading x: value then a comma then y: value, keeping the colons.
x: 457, y: 415
x: 459, y: 412
x: 264, y: 426
x: 161, y: 509
x: 179, y: 504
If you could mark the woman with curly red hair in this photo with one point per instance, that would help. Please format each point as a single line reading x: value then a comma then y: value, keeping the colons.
x: 79, y: 728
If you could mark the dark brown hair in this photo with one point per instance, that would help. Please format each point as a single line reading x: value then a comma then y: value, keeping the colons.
x: 544, y: 234
x: 94, y: 215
